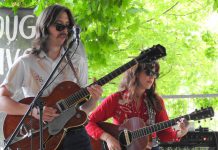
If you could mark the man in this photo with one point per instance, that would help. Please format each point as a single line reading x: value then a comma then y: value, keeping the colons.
x: 31, y: 71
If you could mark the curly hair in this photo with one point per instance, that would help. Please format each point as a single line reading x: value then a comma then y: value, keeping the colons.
x: 130, y: 82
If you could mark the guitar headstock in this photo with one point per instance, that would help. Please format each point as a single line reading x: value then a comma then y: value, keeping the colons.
x: 152, y: 54
x: 202, y: 113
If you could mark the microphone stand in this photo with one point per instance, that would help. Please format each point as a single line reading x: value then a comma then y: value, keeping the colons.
x: 38, y: 102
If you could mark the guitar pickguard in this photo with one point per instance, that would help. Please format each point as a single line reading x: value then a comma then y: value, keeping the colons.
x: 59, y: 122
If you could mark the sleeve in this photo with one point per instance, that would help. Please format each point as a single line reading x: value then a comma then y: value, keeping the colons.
x: 103, y: 112
x: 168, y: 134
x: 15, y: 76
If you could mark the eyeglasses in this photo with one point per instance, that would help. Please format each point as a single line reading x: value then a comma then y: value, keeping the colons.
x: 152, y: 73
x: 61, y: 27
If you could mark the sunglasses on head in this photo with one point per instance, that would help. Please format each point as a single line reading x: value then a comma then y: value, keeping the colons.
x: 61, y: 27
x: 152, y: 73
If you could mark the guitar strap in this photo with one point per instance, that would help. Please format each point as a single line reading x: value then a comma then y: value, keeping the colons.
x: 151, y: 118
x: 151, y: 112
x: 72, y: 67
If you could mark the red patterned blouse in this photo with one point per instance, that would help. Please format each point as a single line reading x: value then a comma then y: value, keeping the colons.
x: 120, y: 108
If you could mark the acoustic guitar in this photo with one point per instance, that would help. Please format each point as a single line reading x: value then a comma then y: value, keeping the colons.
x: 134, y: 135
x: 65, y: 97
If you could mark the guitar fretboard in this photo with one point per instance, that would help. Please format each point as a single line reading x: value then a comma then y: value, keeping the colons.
x: 157, y: 127
x: 84, y: 92
x: 146, y: 56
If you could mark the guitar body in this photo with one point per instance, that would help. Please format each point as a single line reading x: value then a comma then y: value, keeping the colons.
x: 131, y: 124
x: 52, y: 140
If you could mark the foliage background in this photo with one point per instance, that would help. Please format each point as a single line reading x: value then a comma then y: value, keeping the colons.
x: 114, y: 31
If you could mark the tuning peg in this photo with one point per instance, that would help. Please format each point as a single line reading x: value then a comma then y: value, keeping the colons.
x: 211, y: 118
x: 199, y: 121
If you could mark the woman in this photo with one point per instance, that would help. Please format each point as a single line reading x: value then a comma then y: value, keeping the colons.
x: 136, y: 98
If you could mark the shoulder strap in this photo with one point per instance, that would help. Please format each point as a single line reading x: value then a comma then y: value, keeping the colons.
x: 72, y: 67
x: 151, y: 112
x: 151, y: 120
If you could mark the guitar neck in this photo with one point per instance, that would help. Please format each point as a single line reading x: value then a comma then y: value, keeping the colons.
x: 102, y: 81
x: 157, y: 127
x: 115, y: 73
x: 146, y: 56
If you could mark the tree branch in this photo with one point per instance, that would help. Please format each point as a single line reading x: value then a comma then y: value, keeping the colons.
x: 170, y: 8
x: 164, y: 11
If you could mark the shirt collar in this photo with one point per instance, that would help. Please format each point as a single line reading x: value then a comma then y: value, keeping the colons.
x: 126, y: 94
x: 42, y: 54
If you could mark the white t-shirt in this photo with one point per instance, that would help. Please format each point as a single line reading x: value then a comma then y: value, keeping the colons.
x: 30, y: 72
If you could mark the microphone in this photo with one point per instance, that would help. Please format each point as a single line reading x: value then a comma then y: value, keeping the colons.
x: 75, y: 36
x: 75, y: 31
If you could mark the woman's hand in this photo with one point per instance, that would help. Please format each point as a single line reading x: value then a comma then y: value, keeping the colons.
x: 112, y: 143
x: 184, y: 126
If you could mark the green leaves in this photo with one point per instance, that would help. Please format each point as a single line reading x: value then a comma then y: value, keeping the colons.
x: 208, y: 38
x: 39, y: 8
x: 114, y: 31
x: 215, y: 6
x: 211, y: 53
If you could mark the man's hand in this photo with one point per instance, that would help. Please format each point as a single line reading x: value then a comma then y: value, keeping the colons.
x: 49, y: 113
x: 95, y: 91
